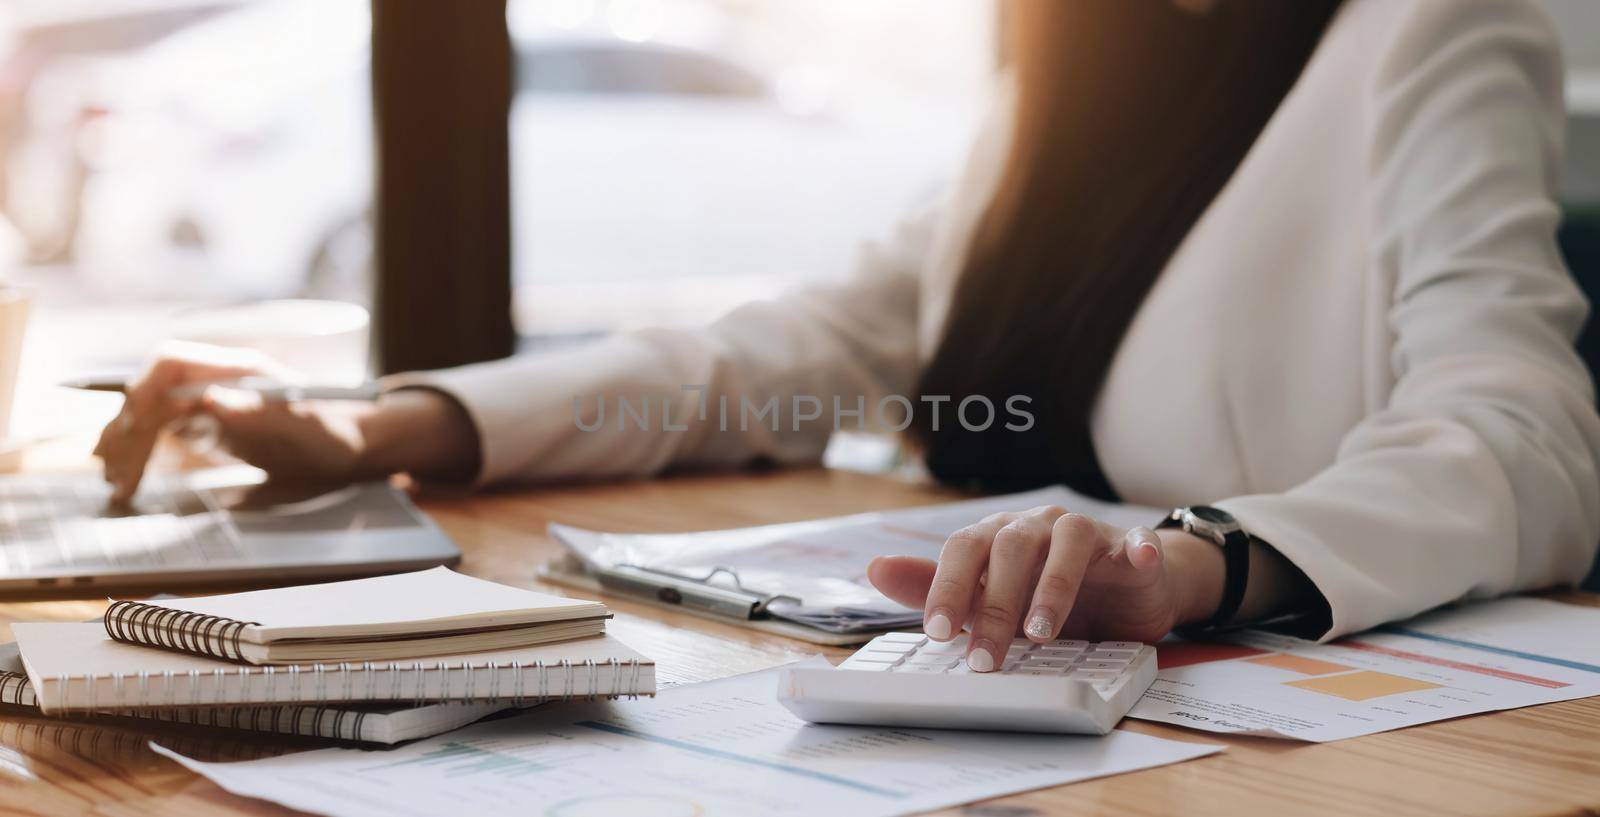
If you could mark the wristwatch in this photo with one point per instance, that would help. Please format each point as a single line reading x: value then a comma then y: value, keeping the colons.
x: 1220, y: 527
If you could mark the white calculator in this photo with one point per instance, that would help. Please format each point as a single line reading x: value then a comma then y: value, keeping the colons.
x: 905, y: 679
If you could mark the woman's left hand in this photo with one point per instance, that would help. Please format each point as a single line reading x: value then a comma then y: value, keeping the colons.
x: 1054, y: 574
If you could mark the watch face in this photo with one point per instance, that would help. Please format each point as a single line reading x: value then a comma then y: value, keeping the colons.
x: 1215, y: 516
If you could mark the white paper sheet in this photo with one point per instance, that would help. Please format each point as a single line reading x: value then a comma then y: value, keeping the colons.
x: 1479, y: 658
x: 823, y: 563
x: 720, y: 748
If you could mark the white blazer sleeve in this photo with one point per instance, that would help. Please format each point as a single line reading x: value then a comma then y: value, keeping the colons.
x: 856, y: 339
x: 1479, y: 475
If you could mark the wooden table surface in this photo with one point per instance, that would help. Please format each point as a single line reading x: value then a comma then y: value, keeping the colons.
x: 1539, y: 760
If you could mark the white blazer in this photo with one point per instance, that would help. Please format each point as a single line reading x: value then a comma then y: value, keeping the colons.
x: 1363, y: 350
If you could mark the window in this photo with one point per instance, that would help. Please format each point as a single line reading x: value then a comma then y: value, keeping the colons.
x: 673, y: 158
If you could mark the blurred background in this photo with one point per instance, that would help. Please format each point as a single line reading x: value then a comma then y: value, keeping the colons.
x: 157, y: 155
x: 668, y: 159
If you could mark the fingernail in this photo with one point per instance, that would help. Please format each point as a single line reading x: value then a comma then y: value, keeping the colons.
x: 938, y: 627
x: 1039, y: 624
x: 981, y: 659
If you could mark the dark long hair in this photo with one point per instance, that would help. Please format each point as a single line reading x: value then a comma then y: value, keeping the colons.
x: 1133, y: 114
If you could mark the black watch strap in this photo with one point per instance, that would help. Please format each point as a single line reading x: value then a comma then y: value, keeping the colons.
x: 1235, y: 544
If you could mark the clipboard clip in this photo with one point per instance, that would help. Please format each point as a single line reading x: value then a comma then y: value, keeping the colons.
x: 700, y: 592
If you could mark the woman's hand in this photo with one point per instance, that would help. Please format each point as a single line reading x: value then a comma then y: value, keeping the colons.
x: 1055, y: 574
x: 412, y: 430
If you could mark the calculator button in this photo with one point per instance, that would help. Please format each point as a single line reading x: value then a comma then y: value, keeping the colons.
x: 1069, y: 644
x: 913, y: 639
x: 886, y: 649
x: 940, y: 661
x: 1120, y: 645
x: 1113, y: 655
x: 956, y: 647
x: 1016, y: 651
x: 875, y: 658
x: 1095, y: 675
x: 1035, y: 663
x: 1111, y: 666
x: 1056, y: 652
x: 921, y: 669
x: 865, y: 666
x: 1031, y: 668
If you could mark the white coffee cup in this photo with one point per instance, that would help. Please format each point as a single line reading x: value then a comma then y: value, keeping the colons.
x: 324, y: 340
x: 14, y: 306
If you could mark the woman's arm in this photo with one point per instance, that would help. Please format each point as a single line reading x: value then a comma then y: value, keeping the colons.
x: 519, y: 419
x: 420, y: 432
x: 1479, y: 476
x: 538, y: 417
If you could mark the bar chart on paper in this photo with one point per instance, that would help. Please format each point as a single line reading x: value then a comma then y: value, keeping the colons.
x: 719, y: 748
x: 456, y: 759
x: 1485, y: 657
x: 1363, y: 685
x: 484, y: 766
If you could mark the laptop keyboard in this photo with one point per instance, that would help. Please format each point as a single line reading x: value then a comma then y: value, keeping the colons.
x: 49, y: 524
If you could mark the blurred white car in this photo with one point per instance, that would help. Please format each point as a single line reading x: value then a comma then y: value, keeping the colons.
x: 219, y: 160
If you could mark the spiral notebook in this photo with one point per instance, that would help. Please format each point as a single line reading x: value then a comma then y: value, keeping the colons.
x: 385, y: 724
x: 428, y: 612
x: 77, y: 668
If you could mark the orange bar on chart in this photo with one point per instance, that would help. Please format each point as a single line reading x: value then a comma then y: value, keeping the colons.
x: 1299, y: 663
x: 1359, y: 686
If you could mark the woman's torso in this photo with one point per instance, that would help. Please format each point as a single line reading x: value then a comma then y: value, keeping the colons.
x: 1265, y: 339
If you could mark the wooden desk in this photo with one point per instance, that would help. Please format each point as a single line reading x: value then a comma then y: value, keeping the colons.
x: 1541, y: 760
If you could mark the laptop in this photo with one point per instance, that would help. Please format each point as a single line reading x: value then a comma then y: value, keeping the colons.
x: 207, y: 527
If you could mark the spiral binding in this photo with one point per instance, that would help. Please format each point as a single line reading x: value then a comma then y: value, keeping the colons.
x: 99, y: 743
x: 369, y: 683
x: 15, y: 689
x: 151, y: 625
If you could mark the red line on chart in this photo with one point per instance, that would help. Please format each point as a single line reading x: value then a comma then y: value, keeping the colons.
x: 1445, y: 662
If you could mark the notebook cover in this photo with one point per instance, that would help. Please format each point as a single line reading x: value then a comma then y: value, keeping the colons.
x: 76, y: 667
x: 438, y: 599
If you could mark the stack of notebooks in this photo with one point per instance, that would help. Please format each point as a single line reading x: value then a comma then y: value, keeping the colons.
x: 379, y: 660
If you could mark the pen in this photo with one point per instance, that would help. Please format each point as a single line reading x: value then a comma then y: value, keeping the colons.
x: 266, y: 389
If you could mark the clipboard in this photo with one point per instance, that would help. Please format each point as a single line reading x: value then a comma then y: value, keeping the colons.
x: 697, y: 597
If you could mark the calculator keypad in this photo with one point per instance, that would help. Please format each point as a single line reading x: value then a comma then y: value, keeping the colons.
x: 911, y: 653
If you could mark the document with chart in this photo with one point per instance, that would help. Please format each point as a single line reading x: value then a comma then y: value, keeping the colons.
x: 1478, y: 658
x: 720, y: 748
x: 815, y: 572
